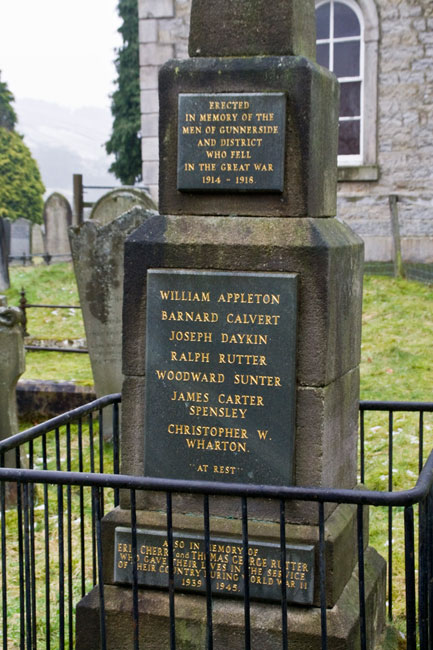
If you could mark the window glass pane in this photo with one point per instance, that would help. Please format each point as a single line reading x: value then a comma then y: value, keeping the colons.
x: 322, y: 21
x: 350, y: 99
x: 346, y: 22
x: 322, y: 53
x: 349, y: 138
x: 346, y: 59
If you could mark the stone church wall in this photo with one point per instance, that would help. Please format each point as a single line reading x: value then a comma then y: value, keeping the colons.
x: 404, y: 120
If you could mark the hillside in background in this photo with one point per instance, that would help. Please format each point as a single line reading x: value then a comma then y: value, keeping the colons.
x: 65, y: 142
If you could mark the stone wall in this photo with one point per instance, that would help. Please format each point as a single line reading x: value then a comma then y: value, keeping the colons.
x: 405, y: 137
x: 163, y: 34
x: 405, y: 121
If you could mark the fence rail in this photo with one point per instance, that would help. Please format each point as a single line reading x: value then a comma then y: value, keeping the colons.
x: 24, y: 306
x: 64, y: 477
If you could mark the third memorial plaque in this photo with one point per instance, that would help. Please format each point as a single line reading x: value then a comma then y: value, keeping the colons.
x: 220, y: 376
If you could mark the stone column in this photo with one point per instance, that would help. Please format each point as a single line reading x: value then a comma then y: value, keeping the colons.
x: 248, y: 153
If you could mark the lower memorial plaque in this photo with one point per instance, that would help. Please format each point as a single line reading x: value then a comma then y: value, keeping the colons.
x: 226, y: 565
x: 220, y: 376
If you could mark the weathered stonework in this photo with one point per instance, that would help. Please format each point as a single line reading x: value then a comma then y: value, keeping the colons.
x: 97, y: 251
x: 404, y: 122
x: 12, y: 365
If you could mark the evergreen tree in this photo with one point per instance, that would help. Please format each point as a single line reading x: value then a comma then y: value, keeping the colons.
x: 125, y: 141
x: 21, y: 187
x: 8, y: 117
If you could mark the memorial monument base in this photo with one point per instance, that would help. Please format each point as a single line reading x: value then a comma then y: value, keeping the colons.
x: 340, y: 535
x: 304, y: 623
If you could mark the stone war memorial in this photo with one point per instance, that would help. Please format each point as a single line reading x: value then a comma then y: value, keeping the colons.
x: 241, y: 350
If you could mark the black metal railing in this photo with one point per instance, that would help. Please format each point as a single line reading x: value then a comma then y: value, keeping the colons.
x: 24, y: 305
x: 53, y: 555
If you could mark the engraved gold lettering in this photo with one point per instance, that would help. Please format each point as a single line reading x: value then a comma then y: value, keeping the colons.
x: 191, y: 130
x: 190, y: 357
x: 245, y: 400
x: 217, y: 445
x: 263, y: 167
x: 186, y: 375
x: 240, y: 359
x: 223, y: 469
x: 253, y: 319
x: 188, y: 296
x: 256, y: 380
x: 217, y: 412
x: 190, y: 337
x: 201, y: 430
x: 250, y: 298
x: 207, y: 167
x: 190, y: 316
x: 189, y: 397
x: 244, y: 339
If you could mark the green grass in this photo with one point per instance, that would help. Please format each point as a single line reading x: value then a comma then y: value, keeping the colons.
x: 397, y: 340
x: 51, y: 285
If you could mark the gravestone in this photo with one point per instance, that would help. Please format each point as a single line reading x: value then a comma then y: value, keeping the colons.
x: 117, y: 202
x: 97, y: 253
x: 37, y: 241
x: 57, y: 219
x: 241, y: 345
x: 20, y: 240
x: 12, y: 365
x: 5, y: 237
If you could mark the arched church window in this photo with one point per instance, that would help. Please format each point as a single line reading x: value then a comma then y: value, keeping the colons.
x: 340, y: 48
x: 347, y: 38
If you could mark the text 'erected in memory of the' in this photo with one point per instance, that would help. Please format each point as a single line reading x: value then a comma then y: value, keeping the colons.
x: 231, y: 142
x: 220, y: 375
x: 226, y: 565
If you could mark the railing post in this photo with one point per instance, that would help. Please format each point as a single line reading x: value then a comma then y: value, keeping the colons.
x: 22, y: 306
x: 409, y: 551
x: 77, y: 180
x: 423, y: 575
x: 395, y: 229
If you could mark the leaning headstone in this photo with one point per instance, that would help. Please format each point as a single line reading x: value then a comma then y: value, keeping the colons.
x: 241, y: 350
x: 97, y: 253
x: 5, y: 236
x: 57, y: 219
x: 12, y: 365
x: 117, y: 202
x: 38, y: 241
x: 20, y: 241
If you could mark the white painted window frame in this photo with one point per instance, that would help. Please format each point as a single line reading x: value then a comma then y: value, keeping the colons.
x: 365, y: 164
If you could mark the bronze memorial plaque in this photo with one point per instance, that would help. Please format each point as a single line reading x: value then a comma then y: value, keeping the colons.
x: 231, y: 142
x: 220, y: 376
x: 226, y: 565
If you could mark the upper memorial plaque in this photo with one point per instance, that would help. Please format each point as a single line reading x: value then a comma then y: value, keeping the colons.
x: 231, y: 142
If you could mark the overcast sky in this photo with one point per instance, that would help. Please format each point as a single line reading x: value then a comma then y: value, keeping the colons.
x: 61, y: 51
